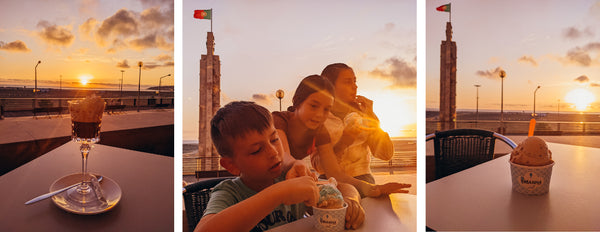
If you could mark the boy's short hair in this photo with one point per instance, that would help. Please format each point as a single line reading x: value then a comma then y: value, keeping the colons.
x: 236, y: 120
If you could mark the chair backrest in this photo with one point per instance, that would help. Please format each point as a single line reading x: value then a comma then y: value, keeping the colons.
x: 196, y: 196
x: 459, y: 149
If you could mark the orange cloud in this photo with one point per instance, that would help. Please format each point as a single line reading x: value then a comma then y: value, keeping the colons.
x: 15, y: 46
x: 53, y: 34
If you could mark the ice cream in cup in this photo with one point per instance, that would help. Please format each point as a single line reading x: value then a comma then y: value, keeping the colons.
x: 531, y: 167
x: 330, y: 212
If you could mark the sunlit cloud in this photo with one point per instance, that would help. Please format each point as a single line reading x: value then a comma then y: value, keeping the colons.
x: 155, y: 18
x: 122, y: 23
x: 580, y: 56
x: 153, y: 65
x: 86, y: 30
x: 15, y: 46
x: 528, y: 60
x: 123, y: 64
x: 401, y: 73
x: 150, y: 41
x: 492, y: 74
x: 582, y: 79
x: 55, y: 35
x: 163, y: 57
x: 263, y: 99
x: 575, y: 33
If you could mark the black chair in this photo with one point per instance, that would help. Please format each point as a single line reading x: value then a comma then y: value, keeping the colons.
x: 196, y: 196
x: 459, y: 149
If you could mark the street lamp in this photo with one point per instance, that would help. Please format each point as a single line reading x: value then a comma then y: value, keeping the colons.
x: 159, y: 84
x: 477, y: 104
x: 279, y: 94
x: 60, y: 84
x: 502, y: 75
x: 139, y: 83
x: 35, y: 88
x: 534, y: 92
x: 121, y: 85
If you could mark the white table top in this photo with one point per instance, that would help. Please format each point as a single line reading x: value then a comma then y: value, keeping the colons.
x: 146, y: 182
x: 481, y: 198
x: 394, y: 213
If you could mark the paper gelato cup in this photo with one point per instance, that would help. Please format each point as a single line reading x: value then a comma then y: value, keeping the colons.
x: 330, y: 219
x: 531, y: 180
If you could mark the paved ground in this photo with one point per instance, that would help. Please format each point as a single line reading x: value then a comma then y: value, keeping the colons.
x: 19, y: 129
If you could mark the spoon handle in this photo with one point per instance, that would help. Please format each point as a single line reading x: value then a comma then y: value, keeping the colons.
x: 42, y: 197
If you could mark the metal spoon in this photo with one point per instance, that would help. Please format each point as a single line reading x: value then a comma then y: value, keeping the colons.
x: 42, y: 197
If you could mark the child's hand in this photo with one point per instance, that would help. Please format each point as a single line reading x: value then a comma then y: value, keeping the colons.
x: 370, y: 190
x: 299, y: 169
x: 365, y: 105
x: 355, y: 214
x: 393, y: 187
x: 386, y: 189
x: 300, y: 189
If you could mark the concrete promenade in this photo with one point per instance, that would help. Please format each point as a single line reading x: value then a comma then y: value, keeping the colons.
x: 23, y: 139
x: 19, y: 129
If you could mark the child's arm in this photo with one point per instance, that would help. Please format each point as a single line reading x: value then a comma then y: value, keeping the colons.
x: 381, y: 145
x: 246, y: 214
x: 332, y: 169
x: 292, y: 166
x: 355, y: 214
x: 288, y: 159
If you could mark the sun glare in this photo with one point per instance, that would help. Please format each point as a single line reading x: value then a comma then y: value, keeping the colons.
x: 85, y: 79
x: 396, y: 116
x: 581, y: 98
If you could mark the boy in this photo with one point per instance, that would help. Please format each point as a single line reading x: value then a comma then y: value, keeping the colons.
x: 259, y: 199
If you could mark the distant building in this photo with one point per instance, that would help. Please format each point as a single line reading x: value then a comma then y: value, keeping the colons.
x: 447, y: 117
x: 210, y: 89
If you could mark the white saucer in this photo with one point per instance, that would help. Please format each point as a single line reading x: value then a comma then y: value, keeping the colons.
x: 112, y: 194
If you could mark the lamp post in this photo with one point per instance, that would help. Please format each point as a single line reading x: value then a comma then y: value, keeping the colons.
x: 35, y: 88
x: 121, y: 85
x: 477, y: 105
x: 279, y: 94
x: 159, y: 84
x: 60, y: 84
x: 534, y: 92
x: 502, y: 75
x: 139, y: 83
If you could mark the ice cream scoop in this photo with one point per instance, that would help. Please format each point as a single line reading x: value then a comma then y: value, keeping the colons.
x: 329, y: 196
x: 89, y: 109
x: 533, y: 151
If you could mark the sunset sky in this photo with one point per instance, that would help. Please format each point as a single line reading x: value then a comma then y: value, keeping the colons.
x: 268, y: 45
x: 86, y: 40
x: 554, y: 44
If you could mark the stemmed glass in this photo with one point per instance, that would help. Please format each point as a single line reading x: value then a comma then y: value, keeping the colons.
x: 86, y: 119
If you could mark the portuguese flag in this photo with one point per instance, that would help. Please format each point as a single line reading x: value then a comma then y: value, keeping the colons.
x: 203, y: 14
x: 445, y: 8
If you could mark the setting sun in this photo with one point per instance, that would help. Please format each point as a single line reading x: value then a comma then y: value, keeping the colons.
x: 581, y: 98
x: 394, y: 113
x: 85, y: 79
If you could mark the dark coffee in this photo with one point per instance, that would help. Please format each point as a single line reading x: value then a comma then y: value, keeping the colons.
x: 85, y: 130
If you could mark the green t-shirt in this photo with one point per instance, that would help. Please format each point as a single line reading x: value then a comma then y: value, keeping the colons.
x: 230, y: 192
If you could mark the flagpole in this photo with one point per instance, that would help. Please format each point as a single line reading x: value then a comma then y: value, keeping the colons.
x: 450, y: 12
x: 211, y: 18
